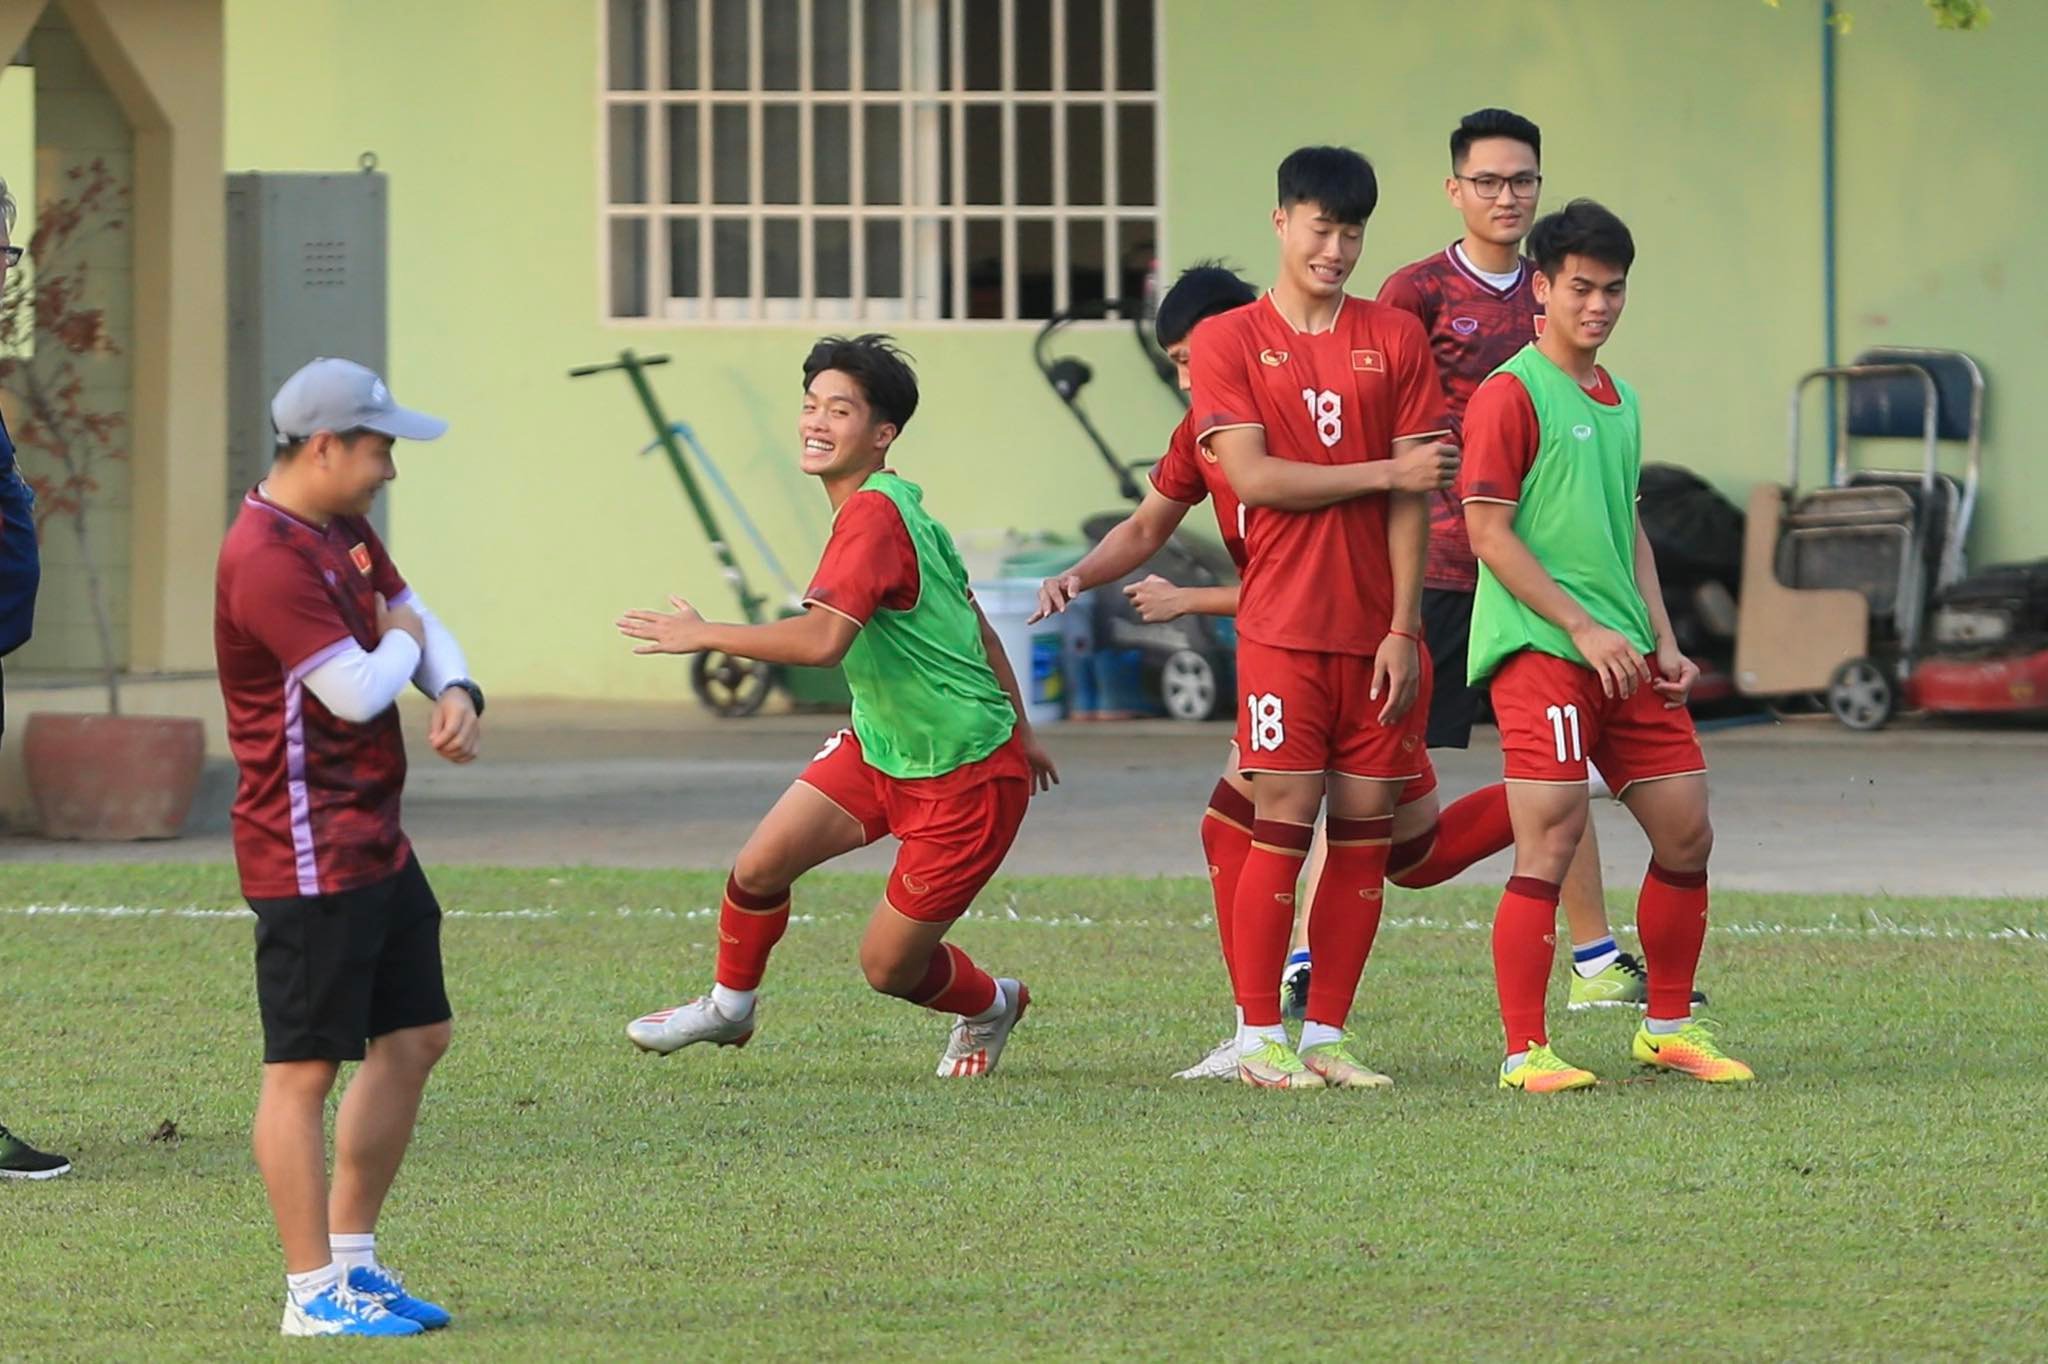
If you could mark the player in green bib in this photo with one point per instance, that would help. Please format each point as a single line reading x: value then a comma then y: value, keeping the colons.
x: 1570, y: 633
x: 939, y: 753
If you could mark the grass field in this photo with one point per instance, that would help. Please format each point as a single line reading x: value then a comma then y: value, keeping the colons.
x: 1879, y: 1193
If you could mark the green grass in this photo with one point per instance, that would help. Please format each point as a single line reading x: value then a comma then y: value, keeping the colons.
x: 1878, y: 1193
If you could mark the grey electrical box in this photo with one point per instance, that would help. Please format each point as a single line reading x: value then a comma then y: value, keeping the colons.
x: 306, y: 278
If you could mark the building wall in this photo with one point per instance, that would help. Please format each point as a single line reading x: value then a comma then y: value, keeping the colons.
x: 533, y: 522
x: 77, y: 122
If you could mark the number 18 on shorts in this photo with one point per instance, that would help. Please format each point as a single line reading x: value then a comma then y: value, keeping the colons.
x: 1314, y: 712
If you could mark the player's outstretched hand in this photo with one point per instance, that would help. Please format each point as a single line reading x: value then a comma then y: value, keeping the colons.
x: 1156, y: 599
x: 1676, y: 675
x: 666, y: 632
x: 1055, y: 595
x: 1426, y: 468
x: 1396, y: 675
x: 1044, y: 776
x: 455, y: 728
x: 404, y: 618
x: 1609, y: 654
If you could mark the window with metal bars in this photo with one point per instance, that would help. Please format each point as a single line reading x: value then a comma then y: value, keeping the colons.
x: 878, y: 160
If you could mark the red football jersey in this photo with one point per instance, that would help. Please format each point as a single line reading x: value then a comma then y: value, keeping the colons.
x: 1187, y: 473
x: 316, y: 810
x: 1473, y: 329
x: 1321, y: 580
x: 869, y: 562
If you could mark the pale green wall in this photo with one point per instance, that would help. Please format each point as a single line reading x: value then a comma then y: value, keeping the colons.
x: 1944, y: 201
x: 532, y: 523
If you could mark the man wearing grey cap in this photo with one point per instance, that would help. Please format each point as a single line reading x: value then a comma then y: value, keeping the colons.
x: 316, y: 635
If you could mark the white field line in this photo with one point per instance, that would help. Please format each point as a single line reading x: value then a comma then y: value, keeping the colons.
x: 1869, y: 924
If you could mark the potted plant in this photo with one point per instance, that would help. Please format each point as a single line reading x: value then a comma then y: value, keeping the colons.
x: 92, y: 776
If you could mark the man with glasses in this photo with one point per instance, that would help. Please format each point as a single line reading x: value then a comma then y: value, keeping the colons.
x: 20, y: 572
x: 1476, y: 300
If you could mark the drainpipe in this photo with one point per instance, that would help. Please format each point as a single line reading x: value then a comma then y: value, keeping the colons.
x: 1827, y: 219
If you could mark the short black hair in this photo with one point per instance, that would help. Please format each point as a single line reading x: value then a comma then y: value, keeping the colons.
x: 1581, y: 228
x: 1335, y: 179
x: 1484, y: 123
x: 880, y: 367
x: 1203, y: 290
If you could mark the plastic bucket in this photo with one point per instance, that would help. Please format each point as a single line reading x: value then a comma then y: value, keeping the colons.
x: 1033, y: 650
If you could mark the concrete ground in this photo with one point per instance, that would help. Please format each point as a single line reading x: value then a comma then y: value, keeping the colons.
x: 1799, y: 805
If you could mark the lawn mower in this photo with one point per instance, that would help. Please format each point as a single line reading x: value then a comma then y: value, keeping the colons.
x: 1183, y: 668
x: 729, y: 685
x: 1838, y: 583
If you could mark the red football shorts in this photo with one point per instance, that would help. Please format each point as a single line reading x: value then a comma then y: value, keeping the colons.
x: 1553, y: 717
x: 1313, y: 712
x: 955, y: 829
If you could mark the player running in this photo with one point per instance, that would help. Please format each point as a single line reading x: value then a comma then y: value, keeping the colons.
x: 1181, y: 479
x: 1304, y: 381
x: 939, y: 754
x: 1569, y: 631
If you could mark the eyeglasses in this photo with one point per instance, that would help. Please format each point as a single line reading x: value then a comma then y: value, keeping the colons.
x: 12, y: 254
x: 1490, y: 186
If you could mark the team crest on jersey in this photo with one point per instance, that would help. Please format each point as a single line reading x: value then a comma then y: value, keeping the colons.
x: 1540, y: 320
x: 360, y: 557
x: 1464, y: 326
x: 1275, y: 358
x: 1371, y: 361
x: 1583, y: 431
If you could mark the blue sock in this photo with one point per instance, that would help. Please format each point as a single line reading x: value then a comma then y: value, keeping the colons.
x: 1590, y: 959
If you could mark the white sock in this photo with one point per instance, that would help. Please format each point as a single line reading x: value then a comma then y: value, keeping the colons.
x: 1664, y: 1027
x: 311, y: 1284
x: 1589, y: 959
x: 1251, y: 1038
x: 734, y: 1004
x: 1239, y: 1012
x: 1515, y: 1058
x: 1315, y: 1034
x: 353, y: 1248
x: 995, y: 1010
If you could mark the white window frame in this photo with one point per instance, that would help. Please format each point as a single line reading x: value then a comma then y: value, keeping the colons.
x: 922, y: 215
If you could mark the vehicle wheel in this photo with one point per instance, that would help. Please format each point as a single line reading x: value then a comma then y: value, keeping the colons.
x: 1187, y: 685
x: 1862, y: 695
x: 731, y: 686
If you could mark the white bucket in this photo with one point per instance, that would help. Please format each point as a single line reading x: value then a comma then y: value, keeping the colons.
x: 1034, y: 651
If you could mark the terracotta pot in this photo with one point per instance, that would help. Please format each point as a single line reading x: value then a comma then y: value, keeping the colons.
x: 113, y: 776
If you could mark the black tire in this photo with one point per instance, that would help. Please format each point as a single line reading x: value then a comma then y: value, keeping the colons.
x: 1863, y: 695
x: 731, y: 686
x: 1189, y: 688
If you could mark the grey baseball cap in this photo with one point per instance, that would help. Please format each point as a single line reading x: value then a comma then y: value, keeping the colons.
x: 341, y: 395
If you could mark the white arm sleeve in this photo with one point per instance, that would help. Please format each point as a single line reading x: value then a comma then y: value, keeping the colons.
x: 441, y: 662
x: 359, y: 685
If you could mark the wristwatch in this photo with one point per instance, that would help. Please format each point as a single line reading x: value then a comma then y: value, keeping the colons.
x: 476, y: 693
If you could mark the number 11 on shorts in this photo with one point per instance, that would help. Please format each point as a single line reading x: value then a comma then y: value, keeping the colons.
x: 1563, y: 718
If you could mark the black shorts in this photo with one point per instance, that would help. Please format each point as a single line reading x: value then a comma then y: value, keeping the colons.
x: 1453, y: 705
x: 333, y: 971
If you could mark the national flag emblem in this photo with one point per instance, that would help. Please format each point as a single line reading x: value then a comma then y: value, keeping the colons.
x: 360, y: 557
x: 1275, y: 358
x: 1371, y: 361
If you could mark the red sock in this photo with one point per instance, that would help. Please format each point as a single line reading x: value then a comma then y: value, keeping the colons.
x: 749, y: 926
x: 1524, y: 940
x: 1226, y: 838
x: 1346, y: 915
x: 1671, y: 920
x: 1263, y: 916
x: 1474, y: 826
x: 953, y: 984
